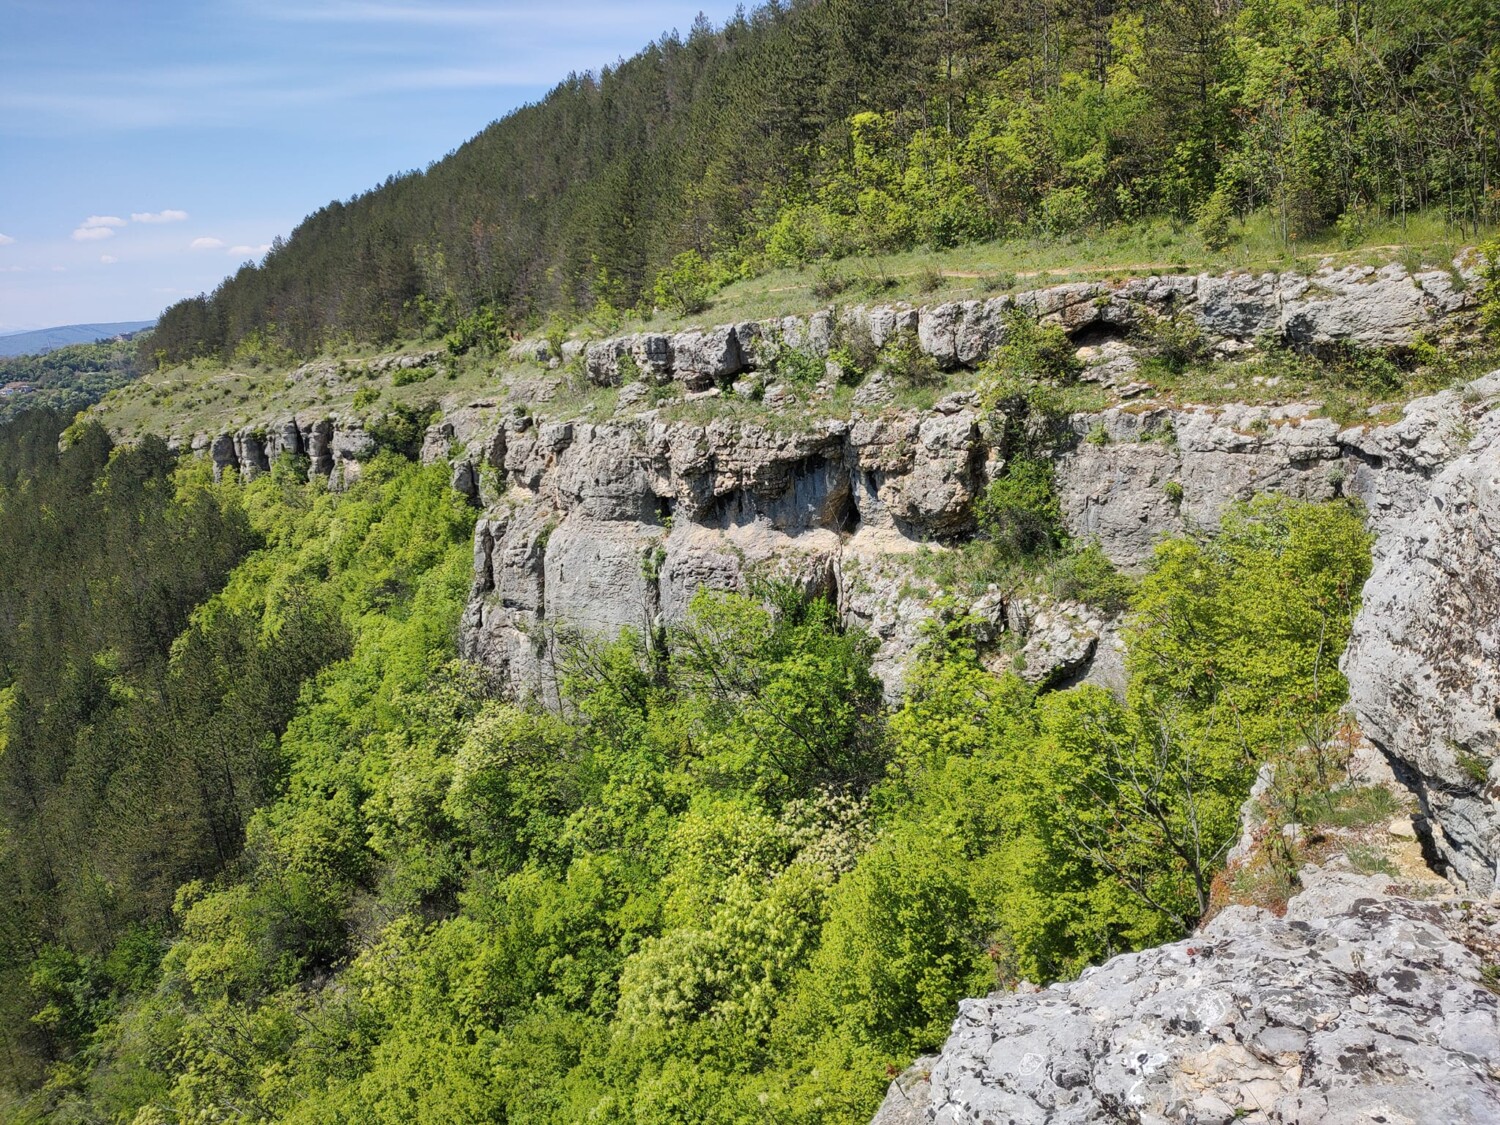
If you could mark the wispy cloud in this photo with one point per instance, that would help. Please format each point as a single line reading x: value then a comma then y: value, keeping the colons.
x: 248, y: 251
x: 159, y: 216
x: 108, y: 259
x: 7, y: 240
x: 206, y: 244
x: 96, y: 227
x: 358, y: 11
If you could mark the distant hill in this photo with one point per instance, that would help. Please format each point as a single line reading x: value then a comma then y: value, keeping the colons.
x: 45, y: 340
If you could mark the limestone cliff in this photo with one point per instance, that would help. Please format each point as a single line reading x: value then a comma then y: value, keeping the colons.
x: 596, y: 526
x: 1358, y: 1006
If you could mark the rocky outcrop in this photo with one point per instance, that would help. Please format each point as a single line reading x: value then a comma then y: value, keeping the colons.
x: 600, y: 526
x: 1358, y: 1006
x: 1424, y: 660
x: 1142, y: 471
x: 1359, y: 306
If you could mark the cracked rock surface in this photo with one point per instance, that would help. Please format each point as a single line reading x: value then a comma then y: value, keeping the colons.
x: 1356, y: 1007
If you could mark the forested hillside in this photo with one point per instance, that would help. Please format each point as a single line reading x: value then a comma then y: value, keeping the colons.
x: 67, y: 379
x: 817, y: 128
x: 271, y: 853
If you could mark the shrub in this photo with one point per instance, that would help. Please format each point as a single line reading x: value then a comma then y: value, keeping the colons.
x: 480, y: 329
x: 930, y: 279
x: 829, y: 282
x: 1088, y: 576
x: 407, y: 376
x: 799, y: 366
x: 1033, y: 351
x: 1176, y: 341
x: 686, y: 285
x: 402, y: 429
x: 1214, y: 214
x: 907, y: 365
x: 1489, y: 301
x: 1019, y: 512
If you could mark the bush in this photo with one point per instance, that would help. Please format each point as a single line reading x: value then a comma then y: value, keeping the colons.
x: 1176, y: 341
x: 1033, y: 351
x: 907, y: 365
x: 480, y: 329
x: 402, y: 430
x: 796, y: 365
x: 1214, y: 214
x: 1020, y: 512
x: 407, y: 376
x: 829, y: 282
x: 1088, y: 576
x: 1489, y: 301
x: 930, y: 279
x: 686, y: 285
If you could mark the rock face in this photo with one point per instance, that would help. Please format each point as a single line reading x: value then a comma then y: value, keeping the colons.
x: 1358, y: 305
x: 597, y: 527
x: 1424, y: 661
x: 1355, y: 1007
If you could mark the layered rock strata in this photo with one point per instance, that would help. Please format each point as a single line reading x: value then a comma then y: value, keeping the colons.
x: 1360, y: 306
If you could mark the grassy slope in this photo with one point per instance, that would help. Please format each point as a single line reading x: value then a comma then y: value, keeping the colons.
x: 208, y: 398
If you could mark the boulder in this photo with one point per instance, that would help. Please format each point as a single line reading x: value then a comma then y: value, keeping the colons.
x: 1356, y: 1007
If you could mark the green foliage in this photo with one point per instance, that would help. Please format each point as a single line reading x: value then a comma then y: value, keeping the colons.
x: 1032, y: 352
x: 69, y: 379
x: 401, y: 429
x: 801, y: 133
x: 338, y: 877
x: 799, y: 366
x: 482, y: 329
x: 1174, y: 341
x: 1088, y: 576
x: 686, y: 285
x: 1489, y: 304
x: 1019, y: 512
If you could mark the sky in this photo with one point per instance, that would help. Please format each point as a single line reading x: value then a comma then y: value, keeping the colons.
x: 148, y: 147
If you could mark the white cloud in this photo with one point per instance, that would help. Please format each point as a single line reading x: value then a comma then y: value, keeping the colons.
x: 248, y: 251
x: 159, y: 216
x: 59, y: 269
x: 96, y: 227
x: 6, y: 240
x: 206, y: 244
x: 12, y: 269
x: 108, y: 259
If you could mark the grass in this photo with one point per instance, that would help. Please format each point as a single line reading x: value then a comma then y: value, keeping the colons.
x: 985, y: 269
x: 1364, y: 807
x: 209, y: 398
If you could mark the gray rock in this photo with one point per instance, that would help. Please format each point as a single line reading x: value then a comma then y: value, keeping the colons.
x: 1356, y: 1007
x: 1424, y: 660
x: 225, y: 455
x: 706, y: 358
x: 909, y: 1097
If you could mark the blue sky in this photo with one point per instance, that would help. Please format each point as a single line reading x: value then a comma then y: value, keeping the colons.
x: 147, y: 147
